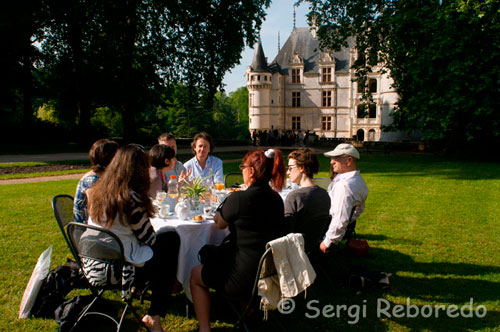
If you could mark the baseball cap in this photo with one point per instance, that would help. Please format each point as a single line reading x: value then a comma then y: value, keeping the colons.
x: 341, y: 149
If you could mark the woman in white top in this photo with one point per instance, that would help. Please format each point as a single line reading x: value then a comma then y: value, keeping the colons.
x: 120, y: 202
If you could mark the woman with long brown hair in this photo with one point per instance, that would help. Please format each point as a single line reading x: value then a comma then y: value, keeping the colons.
x: 254, y: 217
x: 120, y: 202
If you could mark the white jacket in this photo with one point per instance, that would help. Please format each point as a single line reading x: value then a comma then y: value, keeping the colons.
x: 294, y: 272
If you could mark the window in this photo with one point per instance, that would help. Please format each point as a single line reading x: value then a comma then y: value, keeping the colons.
x: 295, y: 122
x: 253, y: 78
x: 265, y: 78
x: 258, y: 77
x: 327, y: 98
x: 367, y: 111
x: 372, y: 85
x: 295, y: 99
x: 326, y: 123
x: 361, y: 111
x: 326, y: 74
x: 361, y: 86
x: 295, y: 75
x: 372, y: 111
x: 250, y: 100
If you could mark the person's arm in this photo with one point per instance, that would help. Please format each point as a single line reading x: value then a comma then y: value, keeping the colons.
x: 218, y: 171
x: 220, y: 223
x: 140, y: 223
x: 341, y: 204
x: 227, y: 211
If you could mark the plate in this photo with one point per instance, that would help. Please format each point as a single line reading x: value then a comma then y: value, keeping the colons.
x: 203, y: 218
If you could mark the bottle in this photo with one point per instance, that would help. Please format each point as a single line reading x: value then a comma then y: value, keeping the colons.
x: 172, y: 186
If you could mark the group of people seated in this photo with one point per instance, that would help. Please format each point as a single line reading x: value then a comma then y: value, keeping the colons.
x: 117, y: 194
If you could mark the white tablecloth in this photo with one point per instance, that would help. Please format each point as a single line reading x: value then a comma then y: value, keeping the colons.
x: 193, y: 235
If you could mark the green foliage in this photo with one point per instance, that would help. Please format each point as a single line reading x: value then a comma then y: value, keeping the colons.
x: 442, y: 55
x: 107, y: 122
x: 124, y: 57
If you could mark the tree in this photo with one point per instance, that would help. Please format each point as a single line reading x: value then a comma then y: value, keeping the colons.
x: 442, y: 55
x: 126, y: 55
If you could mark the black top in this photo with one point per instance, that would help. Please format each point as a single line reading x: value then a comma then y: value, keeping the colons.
x: 307, y: 211
x: 255, y: 216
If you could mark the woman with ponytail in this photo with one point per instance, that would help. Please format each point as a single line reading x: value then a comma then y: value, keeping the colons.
x: 254, y: 217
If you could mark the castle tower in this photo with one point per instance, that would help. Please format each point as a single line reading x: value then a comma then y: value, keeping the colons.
x: 258, y: 77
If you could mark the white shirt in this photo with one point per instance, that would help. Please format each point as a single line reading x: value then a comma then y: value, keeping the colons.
x: 213, y: 163
x: 347, y: 188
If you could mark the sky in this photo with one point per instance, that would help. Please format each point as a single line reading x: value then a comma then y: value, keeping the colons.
x: 279, y: 18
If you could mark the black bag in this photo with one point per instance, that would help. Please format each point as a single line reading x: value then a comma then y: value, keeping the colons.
x: 364, y: 280
x: 69, y: 311
x: 58, y: 283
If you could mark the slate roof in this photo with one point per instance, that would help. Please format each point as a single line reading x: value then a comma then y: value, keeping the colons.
x: 259, y: 63
x: 302, y: 41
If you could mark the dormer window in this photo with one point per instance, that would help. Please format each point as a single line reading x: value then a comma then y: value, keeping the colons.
x: 326, y: 74
x: 296, y: 75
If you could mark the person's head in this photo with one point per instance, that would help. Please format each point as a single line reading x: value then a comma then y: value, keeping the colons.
x: 302, y: 162
x: 169, y: 140
x: 265, y: 166
x: 160, y: 156
x: 101, y: 153
x: 202, y: 145
x: 111, y: 195
x: 344, y: 158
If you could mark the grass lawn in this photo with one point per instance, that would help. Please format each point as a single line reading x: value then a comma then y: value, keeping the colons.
x: 431, y: 222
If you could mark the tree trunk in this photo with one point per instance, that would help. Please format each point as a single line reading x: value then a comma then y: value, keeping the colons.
x: 129, y: 93
x: 27, y: 89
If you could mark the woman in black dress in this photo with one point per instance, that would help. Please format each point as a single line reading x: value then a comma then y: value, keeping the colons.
x: 254, y: 217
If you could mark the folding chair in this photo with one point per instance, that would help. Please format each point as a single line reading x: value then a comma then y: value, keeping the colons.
x: 231, y: 179
x: 63, y: 211
x: 322, y: 182
x: 263, y: 274
x: 104, y: 249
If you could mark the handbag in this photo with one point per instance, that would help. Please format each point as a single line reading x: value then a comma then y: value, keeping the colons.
x: 357, y: 248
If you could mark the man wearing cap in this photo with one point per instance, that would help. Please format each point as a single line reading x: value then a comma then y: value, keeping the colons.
x: 348, y: 187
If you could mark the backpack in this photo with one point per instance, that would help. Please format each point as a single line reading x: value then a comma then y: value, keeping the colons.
x: 58, y: 283
x: 68, y: 312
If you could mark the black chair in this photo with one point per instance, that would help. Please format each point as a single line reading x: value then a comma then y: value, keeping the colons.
x: 322, y: 182
x: 63, y: 211
x: 104, y: 249
x: 251, y: 304
x: 232, y: 179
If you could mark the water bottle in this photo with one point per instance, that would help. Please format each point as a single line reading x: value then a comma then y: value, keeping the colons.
x: 172, y: 186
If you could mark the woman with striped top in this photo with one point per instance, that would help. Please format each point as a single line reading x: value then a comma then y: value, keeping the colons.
x: 120, y: 202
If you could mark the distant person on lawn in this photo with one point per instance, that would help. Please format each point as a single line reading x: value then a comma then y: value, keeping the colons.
x: 177, y: 168
x: 348, y: 187
x: 101, y: 153
x: 203, y: 164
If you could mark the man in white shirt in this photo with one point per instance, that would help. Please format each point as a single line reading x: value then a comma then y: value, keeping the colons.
x: 348, y: 187
x: 203, y: 164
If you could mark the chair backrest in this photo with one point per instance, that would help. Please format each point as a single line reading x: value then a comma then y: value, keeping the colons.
x: 231, y: 179
x: 63, y: 211
x: 95, y: 242
x: 322, y: 182
x: 350, y: 232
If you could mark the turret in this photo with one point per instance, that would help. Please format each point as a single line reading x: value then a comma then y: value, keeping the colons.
x: 259, y: 85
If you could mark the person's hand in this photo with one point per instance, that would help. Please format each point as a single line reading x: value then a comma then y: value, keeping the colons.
x: 220, y: 223
x: 185, y: 175
x: 323, y: 247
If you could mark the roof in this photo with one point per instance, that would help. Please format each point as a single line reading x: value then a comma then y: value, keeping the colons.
x: 302, y: 41
x: 259, y: 63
